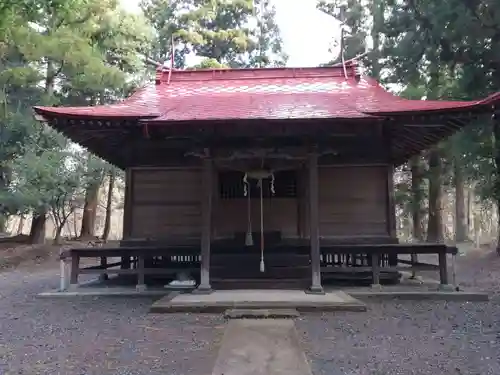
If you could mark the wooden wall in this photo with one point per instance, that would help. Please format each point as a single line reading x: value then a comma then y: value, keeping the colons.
x: 353, y: 201
x: 167, y: 202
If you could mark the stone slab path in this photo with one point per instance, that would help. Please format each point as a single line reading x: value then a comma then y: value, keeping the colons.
x: 261, y: 347
x: 221, y: 300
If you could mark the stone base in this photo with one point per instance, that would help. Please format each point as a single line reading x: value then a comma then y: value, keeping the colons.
x: 203, y: 290
x: 416, y: 279
x: 141, y: 287
x: 447, y: 288
x: 315, y: 289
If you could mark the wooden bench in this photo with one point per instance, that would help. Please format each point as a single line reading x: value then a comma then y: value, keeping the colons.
x: 376, y: 253
x: 133, y: 261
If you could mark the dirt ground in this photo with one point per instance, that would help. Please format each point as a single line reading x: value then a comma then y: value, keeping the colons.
x: 114, y: 336
x: 16, y: 252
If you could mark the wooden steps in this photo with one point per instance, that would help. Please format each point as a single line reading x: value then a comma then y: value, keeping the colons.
x: 242, y: 271
x: 240, y: 283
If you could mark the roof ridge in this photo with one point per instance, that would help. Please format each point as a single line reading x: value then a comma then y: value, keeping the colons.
x: 162, y: 74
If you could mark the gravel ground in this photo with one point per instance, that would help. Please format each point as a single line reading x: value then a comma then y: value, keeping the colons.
x: 413, y: 338
x: 97, y: 336
x: 111, y: 336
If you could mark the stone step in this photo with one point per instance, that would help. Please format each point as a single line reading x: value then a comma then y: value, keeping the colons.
x: 261, y: 313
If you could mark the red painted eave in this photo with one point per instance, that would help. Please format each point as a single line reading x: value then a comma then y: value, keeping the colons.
x: 142, y: 104
x: 399, y: 106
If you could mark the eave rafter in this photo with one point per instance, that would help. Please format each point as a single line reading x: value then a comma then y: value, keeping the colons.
x: 125, y: 141
x: 413, y: 134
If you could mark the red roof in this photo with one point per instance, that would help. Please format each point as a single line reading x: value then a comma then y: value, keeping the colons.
x: 277, y: 93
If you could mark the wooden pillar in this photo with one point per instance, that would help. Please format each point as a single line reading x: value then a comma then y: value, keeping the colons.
x: 391, y: 206
x: 390, y: 201
x: 375, y: 270
x: 314, y: 225
x: 206, y: 226
x: 128, y: 204
x: 141, y: 283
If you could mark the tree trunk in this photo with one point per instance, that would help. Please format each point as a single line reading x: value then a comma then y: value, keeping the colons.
x: 57, y: 237
x: 20, y: 225
x: 59, y: 228
x: 89, y: 211
x: 109, y: 206
x: 417, y: 197
x: 75, y: 221
x: 37, y: 231
x: 3, y: 223
x: 460, y: 221
x: 5, y: 179
x: 469, y: 211
x: 435, y: 224
x: 39, y: 220
x: 378, y: 25
x: 496, y: 180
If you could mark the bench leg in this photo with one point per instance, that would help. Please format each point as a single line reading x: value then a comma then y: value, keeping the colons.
x: 443, y: 273
x: 141, y: 285
x: 375, y: 270
x: 414, y: 259
x: 75, y: 268
x: 64, y: 285
x: 104, y: 264
x: 125, y: 263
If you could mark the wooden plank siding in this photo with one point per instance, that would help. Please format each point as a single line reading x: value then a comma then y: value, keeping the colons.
x: 353, y: 201
x: 167, y: 202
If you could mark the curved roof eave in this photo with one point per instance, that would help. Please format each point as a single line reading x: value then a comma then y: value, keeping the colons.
x: 98, y: 112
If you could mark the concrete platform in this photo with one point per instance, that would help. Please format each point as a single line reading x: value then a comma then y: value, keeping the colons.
x: 220, y: 301
x: 104, y: 292
x: 261, y: 347
x: 422, y: 295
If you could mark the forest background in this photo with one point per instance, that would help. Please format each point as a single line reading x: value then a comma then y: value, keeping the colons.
x: 86, y: 52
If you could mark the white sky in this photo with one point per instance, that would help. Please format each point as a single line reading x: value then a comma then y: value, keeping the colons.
x: 307, y: 33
